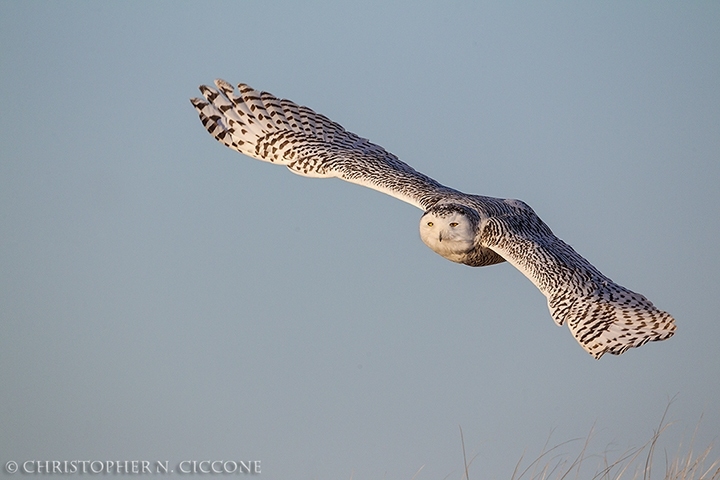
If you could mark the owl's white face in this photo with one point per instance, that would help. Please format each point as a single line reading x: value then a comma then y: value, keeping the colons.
x: 449, y: 234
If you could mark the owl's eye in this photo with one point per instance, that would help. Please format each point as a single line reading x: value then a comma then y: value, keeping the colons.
x: 430, y: 224
x: 454, y: 224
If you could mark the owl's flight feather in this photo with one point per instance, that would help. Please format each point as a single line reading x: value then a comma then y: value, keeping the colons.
x: 603, y: 316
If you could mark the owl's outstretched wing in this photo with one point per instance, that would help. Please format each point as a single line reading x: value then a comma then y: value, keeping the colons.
x: 280, y: 131
x: 604, y: 317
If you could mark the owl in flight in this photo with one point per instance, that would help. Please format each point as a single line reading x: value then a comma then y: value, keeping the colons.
x: 603, y: 316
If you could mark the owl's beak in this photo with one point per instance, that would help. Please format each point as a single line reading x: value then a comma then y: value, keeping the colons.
x: 440, y: 237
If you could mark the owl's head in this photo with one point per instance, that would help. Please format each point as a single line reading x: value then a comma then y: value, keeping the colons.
x: 449, y: 230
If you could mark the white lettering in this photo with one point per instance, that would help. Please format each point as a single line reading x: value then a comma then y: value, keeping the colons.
x: 233, y: 464
x: 159, y: 466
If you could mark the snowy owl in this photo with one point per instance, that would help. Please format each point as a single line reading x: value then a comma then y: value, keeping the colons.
x: 474, y: 230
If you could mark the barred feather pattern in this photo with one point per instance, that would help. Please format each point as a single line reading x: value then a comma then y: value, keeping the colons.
x: 604, y: 317
x: 279, y: 131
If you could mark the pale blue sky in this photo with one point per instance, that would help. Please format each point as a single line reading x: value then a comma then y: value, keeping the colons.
x: 165, y: 298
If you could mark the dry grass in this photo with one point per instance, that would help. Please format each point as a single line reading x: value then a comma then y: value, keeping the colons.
x: 639, y: 463
x: 634, y: 464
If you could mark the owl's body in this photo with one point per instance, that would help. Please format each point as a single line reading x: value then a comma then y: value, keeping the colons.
x: 473, y: 230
